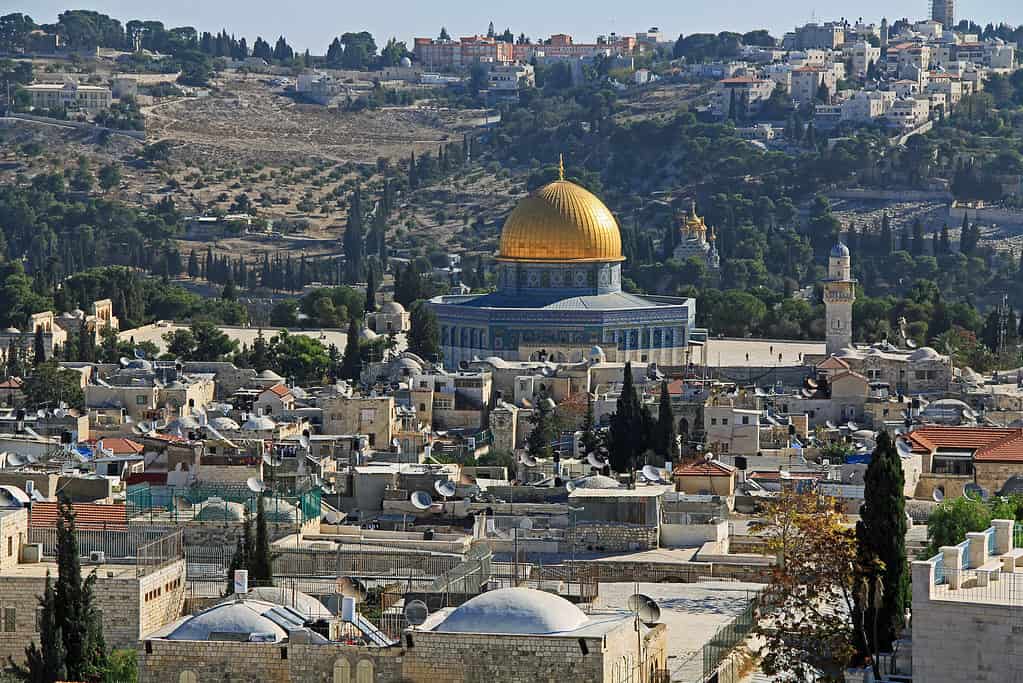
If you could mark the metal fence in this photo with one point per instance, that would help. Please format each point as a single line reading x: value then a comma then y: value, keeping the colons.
x: 217, y: 503
x: 728, y: 636
x: 117, y: 544
x: 1017, y: 536
x: 159, y: 553
x: 939, y: 569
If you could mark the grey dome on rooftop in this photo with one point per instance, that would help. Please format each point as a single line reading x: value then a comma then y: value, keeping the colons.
x: 840, y: 251
x: 523, y: 611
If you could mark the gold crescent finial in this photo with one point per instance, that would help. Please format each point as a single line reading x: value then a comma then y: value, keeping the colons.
x: 561, y: 167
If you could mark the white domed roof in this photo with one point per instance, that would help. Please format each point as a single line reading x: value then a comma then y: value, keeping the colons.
x: 12, y: 330
x: 405, y: 62
x: 840, y: 251
x: 847, y: 352
x: 239, y: 617
x: 366, y: 334
x: 924, y: 353
x: 392, y: 308
x: 259, y: 423
x: 514, y: 611
x: 303, y: 603
x: 224, y: 424
x: 596, y: 481
x: 185, y: 422
x: 269, y: 374
x: 219, y: 509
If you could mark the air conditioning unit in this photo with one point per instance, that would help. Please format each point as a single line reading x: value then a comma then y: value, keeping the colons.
x: 97, y: 557
x: 31, y: 553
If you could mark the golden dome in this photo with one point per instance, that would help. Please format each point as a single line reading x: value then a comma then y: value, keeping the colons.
x: 561, y: 222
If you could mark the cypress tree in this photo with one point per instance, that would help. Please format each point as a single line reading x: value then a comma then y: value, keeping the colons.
x: 45, y: 663
x: 538, y: 443
x: 886, y: 235
x: 881, y: 542
x: 38, y: 348
x: 351, y: 364
x: 625, y: 438
x: 261, y: 565
x: 589, y: 436
x: 664, y: 430
x: 918, y: 238
x: 371, y: 290
x: 946, y: 241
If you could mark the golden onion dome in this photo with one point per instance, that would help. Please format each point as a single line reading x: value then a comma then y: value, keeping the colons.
x: 561, y: 221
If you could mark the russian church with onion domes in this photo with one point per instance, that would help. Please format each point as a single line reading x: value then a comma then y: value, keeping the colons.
x: 559, y: 293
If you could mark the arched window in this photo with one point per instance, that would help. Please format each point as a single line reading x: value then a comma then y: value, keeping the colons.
x: 188, y: 677
x: 364, y: 672
x: 342, y: 671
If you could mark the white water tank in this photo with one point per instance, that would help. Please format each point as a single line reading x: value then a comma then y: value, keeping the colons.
x: 348, y: 609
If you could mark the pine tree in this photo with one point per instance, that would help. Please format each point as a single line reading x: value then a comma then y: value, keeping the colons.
x: 413, y: 176
x: 260, y: 355
x: 424, y: 332
x: 13, y: 368
x: 538, y: 443
x: 880, y: 536
x: 193, y: 265
x: 242, y: 558
x: 946, y: 241
x: 918, y: 238
x: 664, y: 431
x: 351, y: 365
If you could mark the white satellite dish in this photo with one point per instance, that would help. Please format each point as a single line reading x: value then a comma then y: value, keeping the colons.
x: 395, y: 443
x: 60, y: 413
x: 525, y: 524
x: 527, y: 460
x: 421, y: 500
x: 910, y: 343
x: 125, y: 362
x: 41, y: 414
x: 830, y: 425
x: 16, y: 460
x: 570, y: 486
x: 444, y: 488
x: 645, y: 608
x: 652, y: 474
x: 853, y: 427
x: 145, y: 427
x: 256, y: 485
x: 594, y: 461
x: 416, y: 613
x: 938, y: 495
x: 333, y: 516
x: 304, y: 442
x: 904, y: 449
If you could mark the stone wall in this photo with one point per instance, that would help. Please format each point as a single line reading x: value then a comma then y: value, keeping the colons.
x: 214, y: 534
x: 422, y: 657
x: 125, y: 612
x: 13, y: 532
x: 609, y: 537
x: 992, y: 475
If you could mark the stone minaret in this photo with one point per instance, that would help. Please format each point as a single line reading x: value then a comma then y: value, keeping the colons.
x: 839, y: 295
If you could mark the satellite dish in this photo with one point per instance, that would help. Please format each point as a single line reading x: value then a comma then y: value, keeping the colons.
x: 904, y: 449
x: 421, y: 500
x: 525, y: 524
x: 645, y: 608
x: 910, y: 343
x: 137, y: 430
x: 395, y: 443
x: 444, y: 488
x: 15, y: 460
x: 976, y: 491
x: 256, y: 485
x: 145, y: 427
x: 570, y: 486
x: 31, y: 459
x: 830, y: 425
x: 527, y: 460
x: 304, y: 442
x: 273, y: 460
x: 125, y: 362
x: 60, y: 413
x: 594, y: 461
x: 416, y: 613
x: 938, y: 495
x: 41, y: 414
x: 652, y: 474
x: 332, y: 516
x: 853, y: 427
x: 811, y: 383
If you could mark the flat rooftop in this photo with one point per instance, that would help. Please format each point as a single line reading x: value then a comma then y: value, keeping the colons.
x: 761, y: 352
x: 693, y: 612
x: 38, y: 570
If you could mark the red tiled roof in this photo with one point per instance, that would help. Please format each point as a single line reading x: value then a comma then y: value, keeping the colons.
x: 121, y: 446
x: 280, y: 390
x: 87, y: 515
x: 833, y: 363
x: 12, y: 383
x: 711, y: 468
x: 989, y: 444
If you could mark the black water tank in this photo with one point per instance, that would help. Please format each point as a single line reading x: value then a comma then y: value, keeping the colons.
x: 740, y: 463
